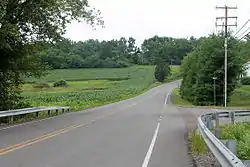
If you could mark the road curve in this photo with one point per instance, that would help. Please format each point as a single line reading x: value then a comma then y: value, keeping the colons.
x: 144, y: 131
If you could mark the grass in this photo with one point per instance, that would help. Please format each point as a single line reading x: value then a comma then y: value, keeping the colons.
x: 239, y: 99
x: 90, y: 74
x: 176, y: 99
x: 175, y: 74
x: 196, y: 143
x: 91, y: 87
x: 239, y: 132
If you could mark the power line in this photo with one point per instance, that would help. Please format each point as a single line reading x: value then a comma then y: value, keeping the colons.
x: 243, y: 32
x: 244, y: 36
x: 241, y: 27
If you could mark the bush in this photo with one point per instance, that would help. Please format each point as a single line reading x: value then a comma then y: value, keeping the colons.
x: 41, y: 85
x: 161, y: 71
x: 61, y: 83
x: 245, y: 81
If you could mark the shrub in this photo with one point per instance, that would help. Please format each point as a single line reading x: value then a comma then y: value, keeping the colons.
x: 61, y: 83
x: 161, y: 71
x: 245, y: 81
x: 41, y: 85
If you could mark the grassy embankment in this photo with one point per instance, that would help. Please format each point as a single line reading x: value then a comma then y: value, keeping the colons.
x: 239, y: 131
x: 239, y: 99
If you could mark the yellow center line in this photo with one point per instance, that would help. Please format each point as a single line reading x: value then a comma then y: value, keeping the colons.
x: 38, y: 139
x: 26, y: 143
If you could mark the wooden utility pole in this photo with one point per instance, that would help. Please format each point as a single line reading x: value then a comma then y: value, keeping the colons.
x: 226, y: 25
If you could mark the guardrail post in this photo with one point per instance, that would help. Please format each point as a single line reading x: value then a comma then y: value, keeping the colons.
x: 68, y: 110
x: 232, y: 114
x: 11, y: 119
x: 56, y: 111
x: 210, y: 124
x: 217, y: 133
x: 217, y: 121
x: 232, y: 146
x: 63, y: 110
x: 48, y: 112
x: 37, y: 114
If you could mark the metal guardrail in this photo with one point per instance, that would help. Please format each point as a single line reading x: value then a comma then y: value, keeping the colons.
x: 223, y: 154
x: 37, y: 110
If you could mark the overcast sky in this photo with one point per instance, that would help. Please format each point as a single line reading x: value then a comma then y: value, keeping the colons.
x: 145, y: 18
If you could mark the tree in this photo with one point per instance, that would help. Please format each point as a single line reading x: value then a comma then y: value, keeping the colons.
x: 25, y: 26
x: 171, y: 50
x: 206, y: 62
x: 161, y: 71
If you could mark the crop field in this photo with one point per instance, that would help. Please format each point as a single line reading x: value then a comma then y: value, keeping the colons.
x: 92, y: 74
x: 90, y: 87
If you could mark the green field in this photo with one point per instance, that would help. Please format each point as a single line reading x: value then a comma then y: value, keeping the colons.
x: 240, y: 98
x: 91, y: 87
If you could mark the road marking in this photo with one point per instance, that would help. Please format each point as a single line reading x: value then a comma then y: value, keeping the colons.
x: 166, y: 99
x: 152, y: 144
x: 26, y: 143
x: 151, y: 147
x: 38, y: 139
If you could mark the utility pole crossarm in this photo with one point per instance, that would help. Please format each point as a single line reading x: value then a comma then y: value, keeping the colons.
x: 228, y: 7
x: 231, y: 17
x: 229, y: 25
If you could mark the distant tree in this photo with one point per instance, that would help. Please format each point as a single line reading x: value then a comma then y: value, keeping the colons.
x: 169, y: 49
x: 161, y: 71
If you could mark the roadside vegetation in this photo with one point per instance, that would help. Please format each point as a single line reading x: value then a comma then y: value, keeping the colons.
x: 239, y: 132
x: 239, y: 99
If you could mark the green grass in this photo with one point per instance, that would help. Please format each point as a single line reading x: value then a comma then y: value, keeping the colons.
x: 91, y: 87
x: 90, y: 74
x: 175, y: 74
x: 196, y: 143
x: 74, y: 86
x: 241, y: 133
x: 177, y: 100
x: 239, y: 99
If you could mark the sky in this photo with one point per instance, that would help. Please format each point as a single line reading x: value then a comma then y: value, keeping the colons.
x: 143, y: 19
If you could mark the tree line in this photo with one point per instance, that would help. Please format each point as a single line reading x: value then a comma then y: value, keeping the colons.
x: 206, y: 63
x: 115, y: 53
x: 31, y: 39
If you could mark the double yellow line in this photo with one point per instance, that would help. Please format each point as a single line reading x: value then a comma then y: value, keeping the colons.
x: 14, y: 147
x: 26, y: 143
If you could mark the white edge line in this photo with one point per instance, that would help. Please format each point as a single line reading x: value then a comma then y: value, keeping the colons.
x: 151, y: 147
x: 166, y: 99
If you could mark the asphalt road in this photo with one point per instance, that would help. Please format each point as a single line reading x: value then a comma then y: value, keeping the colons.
x: 145, y: 131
